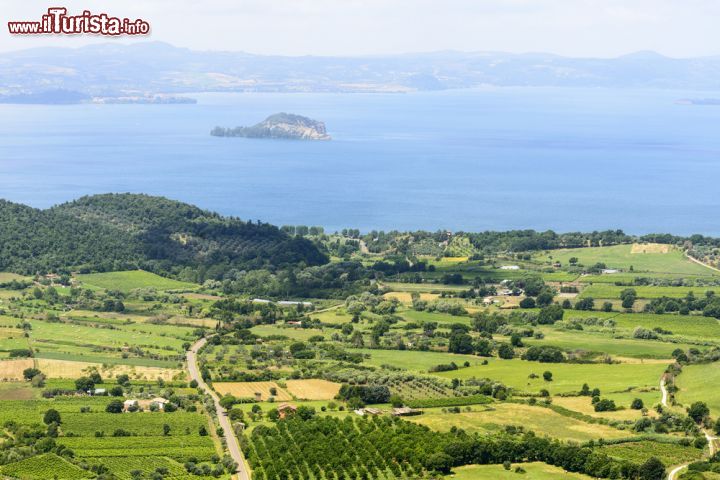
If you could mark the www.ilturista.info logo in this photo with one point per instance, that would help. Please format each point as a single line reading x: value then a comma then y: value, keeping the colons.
x: 57, y: 21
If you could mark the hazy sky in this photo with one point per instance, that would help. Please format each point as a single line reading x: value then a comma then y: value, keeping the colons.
x: 603, y: 28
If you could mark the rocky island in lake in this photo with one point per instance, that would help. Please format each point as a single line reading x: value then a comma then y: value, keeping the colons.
x: 281, y: 126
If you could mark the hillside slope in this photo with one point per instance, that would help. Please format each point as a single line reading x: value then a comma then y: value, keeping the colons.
x: 118, y: 231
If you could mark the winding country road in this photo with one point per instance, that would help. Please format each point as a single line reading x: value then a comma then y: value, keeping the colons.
x: 695, y: 260
x: 664, y: 391
x: 710, y: 439
x: 676, y: 470
x: 230, y: 439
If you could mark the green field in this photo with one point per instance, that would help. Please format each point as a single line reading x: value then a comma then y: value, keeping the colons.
x: 496, y: 417
x: 414, y: 361
x: 603, y: 342
x: 130, y: 280
x: 43, y: 467
x: 9, y: 277
x: 695, y: 327
x: 178, y: 448
x: 639, y: 452
x: 440, y: 318
x: 620, y: 257
x: 424, y: 287
x: 122, y: 467
x: 700, y: 383
x: 534, y: 471
x: 605, y: 290
x: 566, y: 377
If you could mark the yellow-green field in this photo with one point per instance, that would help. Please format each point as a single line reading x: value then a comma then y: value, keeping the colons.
x: 130, y: 280
x: 495, y: 417
x: 699, y: 383
x: 9, y: 277
x: 621, y: 257
x: 605, y: 290
x: 567, y: 377
x: 533, y: 471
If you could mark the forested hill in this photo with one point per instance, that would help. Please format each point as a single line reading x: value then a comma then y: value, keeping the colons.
x: 115, y: 231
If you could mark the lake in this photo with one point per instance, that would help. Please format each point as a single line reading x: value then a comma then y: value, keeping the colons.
x: 486, y: 159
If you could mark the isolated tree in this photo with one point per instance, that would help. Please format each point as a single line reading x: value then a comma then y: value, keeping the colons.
x: 547, y: 376
x: 483, y: 347
x: 228, y: 401
x: 652, y: 469
x: 115, y: 406
x: 628, y: 297
x: 84, y: 383
x: 95, y: 377
x: 550, y: 314
x: 439, y: 462
x: 52, y: 416
x: 545, y: 298
x: 29, y: 373
x: 698, y: 411
x: 527, y: 302
x: 506, y: 351
x: 460, y: 343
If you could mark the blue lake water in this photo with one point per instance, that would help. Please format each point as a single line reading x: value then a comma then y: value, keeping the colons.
x: 495, y: 159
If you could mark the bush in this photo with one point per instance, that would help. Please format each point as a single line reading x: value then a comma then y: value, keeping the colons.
x: 605, y: 405
x: 544, y: 354
x: 51, y: 416
x: 698, y: 411
x: 505, y: 351
x: 550, y: 314
x: 527, y: 302
x: 115, y: 406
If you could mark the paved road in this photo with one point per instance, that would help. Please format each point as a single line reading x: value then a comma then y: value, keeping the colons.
x: 230, y: 439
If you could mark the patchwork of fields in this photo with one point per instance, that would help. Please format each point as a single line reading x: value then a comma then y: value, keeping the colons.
x: 463, y: 362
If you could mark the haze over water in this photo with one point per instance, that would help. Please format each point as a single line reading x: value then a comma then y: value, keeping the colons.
x: 490, y: 159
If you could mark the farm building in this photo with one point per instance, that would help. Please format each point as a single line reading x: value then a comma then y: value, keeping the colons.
x: 368, y: 411
x: 609, y: 271
x: 510, y: 267
x: 406, y: 412
x: 129, y: 405
x: 286, y: 408
x: 159, y: 402
x: 286, y: 303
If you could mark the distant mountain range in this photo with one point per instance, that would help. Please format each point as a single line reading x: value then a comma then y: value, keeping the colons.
x: 108, y: 70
